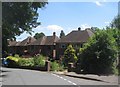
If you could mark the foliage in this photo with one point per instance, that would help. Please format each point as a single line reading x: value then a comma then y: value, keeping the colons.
x: 13, y: 58
x: 39, y: 60
x: 39, y: 35
x: 62, y: 34
x: 116, y: 22
x: 26, y: 62
x: 69, y: 55
x: 16, y: 55
x: 12, y: 61
x: 18, y: 17
x: 99, y: 54
x: 116, y: 25
x: 56, y: 66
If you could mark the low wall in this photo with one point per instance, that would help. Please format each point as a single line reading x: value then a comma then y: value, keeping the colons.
x: 44, y: 68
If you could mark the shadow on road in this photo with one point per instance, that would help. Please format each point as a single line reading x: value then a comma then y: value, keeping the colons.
x: 3, y: 75
x: 86, y: 78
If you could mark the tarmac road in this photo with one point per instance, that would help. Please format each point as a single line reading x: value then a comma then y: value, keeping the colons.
x: 31, y: 77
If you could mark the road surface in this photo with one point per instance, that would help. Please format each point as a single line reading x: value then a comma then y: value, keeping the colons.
x: 31, y: 77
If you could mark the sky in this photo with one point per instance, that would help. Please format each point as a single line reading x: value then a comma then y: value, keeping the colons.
x: 68, y: 16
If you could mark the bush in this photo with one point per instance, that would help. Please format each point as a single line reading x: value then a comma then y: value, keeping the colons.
x: 56, y: 66
x: 26, y: 62
x: 99, y: 54
x: 16, y: 55
x: 12, y: 61
x: 69, y: 56
x: 39, y: 61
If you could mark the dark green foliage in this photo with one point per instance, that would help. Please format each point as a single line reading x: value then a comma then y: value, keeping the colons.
x: 69, y: 56
x: 62, y: 34
x: 18, y: 17
x: 116, y: 22
x: 39, y: 60
x: 39, y: 35
x: 99, y: 54
x: 116, y: 25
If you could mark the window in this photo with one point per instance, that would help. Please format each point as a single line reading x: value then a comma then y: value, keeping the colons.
x: 63, y: 46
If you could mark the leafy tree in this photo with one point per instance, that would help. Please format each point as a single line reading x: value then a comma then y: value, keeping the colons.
x: 116, y: 22
x: 69, y: 55
x: 62, y: 34
x: 39, y: 35
x: 18, y: 17
x: 116, y: 25
x: 99, y: 54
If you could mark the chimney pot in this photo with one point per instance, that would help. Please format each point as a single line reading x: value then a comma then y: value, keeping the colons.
x: 79, y: 28
x: 54, y: 34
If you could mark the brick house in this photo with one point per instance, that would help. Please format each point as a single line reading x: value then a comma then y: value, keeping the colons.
x: 20, y: 47
x: 44, y: 45
x: 77, y: 38
x: 51, y: 46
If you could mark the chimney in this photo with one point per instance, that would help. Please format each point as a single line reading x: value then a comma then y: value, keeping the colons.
x: 54, y: 34
x: 79, y: 29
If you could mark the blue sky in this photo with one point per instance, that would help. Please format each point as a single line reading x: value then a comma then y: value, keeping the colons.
x: 68, y: 16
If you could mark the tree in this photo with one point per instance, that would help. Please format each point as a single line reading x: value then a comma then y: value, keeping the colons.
x: 69, y: 55
x: 99, y: 54
x: 116, y: 25
x: 18, y: 17
x: 39, y: 35
x: 62, y: 34
x: 116, y: 22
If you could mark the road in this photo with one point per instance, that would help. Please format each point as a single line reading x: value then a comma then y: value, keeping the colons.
x: 31, y: 77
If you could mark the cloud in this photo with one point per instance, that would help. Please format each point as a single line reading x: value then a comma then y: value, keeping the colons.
x: 107, y: 22
x: 84, y: 26
x: 98, y: 3
x: 54, y: 27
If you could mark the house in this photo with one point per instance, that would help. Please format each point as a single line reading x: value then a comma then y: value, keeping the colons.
x: 20, y: 47
x: 12, y: 45
x: 51, y: 46
x: 77, y: 38
x: 45, y: 45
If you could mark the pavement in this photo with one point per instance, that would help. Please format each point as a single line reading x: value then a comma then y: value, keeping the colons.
x: 108, y: 79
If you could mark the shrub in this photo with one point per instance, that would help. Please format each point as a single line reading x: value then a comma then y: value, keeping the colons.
x: 26, y: 62
x: 99, y: 54
x: 56, y: 66
x: 12, y: 61
x: 69, y: 55
x: 12, y: 58
x: 39, y: 60
x: 16, y: 55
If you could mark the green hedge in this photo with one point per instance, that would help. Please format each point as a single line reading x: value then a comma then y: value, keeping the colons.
x: 26, y: 62
x: 56, y: 66
x: 39, y: 61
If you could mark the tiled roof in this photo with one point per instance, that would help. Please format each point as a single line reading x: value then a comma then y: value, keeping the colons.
x: 45, y: 40
x: 26, y: 41
x: 76, y: 36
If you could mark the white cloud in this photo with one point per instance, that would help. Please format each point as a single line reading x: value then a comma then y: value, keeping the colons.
x: 98, y: 3
x: 84, y: 26
x: 54, y: 27
x: 107, y: 22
